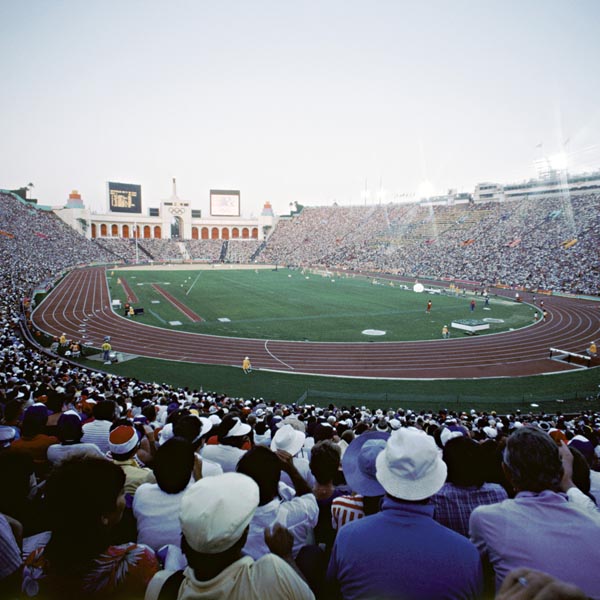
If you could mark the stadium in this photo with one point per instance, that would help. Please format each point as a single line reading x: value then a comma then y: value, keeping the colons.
x: 541, y: 259
x: 299, y: 301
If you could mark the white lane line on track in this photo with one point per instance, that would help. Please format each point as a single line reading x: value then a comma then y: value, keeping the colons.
x: 277, y: 359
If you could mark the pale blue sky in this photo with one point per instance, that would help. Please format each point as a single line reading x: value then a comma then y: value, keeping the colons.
x: 292, y: 101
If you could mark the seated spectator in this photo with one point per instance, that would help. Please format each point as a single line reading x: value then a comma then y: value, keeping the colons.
x: 215, y: 514
x: 586, y: 447
x: 465, y: 486
x: 70, y: 432
x: 123, y: 445
x: 196, y: 430
x: 34, y: 441
x: 13, y: 412
x: 54, y: 404
x: 233, y: 437
x: 325, y: 459
x: 522, y: 532
x: 297, y: 513
x: 291, y: 440
x: 156, y: 505
x: 10, y: 557
x: 359, y: 469
x: 98, y: 430
x: 85, y: 500
x: 529, y: 584
x: 20, y: 499
x: 401, y: 552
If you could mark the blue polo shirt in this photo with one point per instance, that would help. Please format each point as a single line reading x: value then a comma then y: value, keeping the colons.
x: 402, y: 552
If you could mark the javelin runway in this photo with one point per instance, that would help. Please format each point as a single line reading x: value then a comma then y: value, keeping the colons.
x: 80, y: 307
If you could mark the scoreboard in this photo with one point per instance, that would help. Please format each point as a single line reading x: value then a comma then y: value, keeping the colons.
x: 124, y: 197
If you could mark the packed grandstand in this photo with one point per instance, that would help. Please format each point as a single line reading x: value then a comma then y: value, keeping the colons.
x: 543, y: 244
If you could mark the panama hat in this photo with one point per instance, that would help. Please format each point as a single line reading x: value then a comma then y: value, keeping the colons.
x: 410, y: 467
x: 289, y: 439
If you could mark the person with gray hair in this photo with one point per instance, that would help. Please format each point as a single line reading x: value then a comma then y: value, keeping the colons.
x: 548, y: 526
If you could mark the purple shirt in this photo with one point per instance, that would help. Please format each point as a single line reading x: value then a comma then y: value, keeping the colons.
x: 540, y: 531
x: 401, y: 552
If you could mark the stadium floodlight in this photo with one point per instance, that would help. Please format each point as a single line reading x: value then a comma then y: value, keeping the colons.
x: 425, y: 190
x: 559, y: 161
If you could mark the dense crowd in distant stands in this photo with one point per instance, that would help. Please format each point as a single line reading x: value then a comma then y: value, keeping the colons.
x: 101, y: 476
x: 520, y: 243
x: 539, y: 244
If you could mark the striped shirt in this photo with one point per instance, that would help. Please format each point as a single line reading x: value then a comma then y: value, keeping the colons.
x: 345, y: 509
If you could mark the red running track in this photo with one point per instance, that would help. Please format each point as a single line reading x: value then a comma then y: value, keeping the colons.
x: 80, y: 307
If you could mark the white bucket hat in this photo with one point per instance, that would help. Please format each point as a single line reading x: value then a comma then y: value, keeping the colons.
x: 410, y: 467
x: 289, y: 439
x: 215, y: 511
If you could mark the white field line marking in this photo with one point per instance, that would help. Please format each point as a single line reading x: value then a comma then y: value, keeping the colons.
x: 194, y: 283
x: 277, y: 359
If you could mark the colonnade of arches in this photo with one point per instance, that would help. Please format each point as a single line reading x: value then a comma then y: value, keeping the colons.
x: 126, y: 231
x: 224, y: 233
x: 149, y: 232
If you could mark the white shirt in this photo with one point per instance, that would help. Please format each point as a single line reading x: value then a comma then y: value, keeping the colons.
x: 157, y: 516
x: 59, y: 452
x: 226, y: 456
x: 245, y: 579
x: 210, y: 468
x: 299, y: 514
x: 303, y: 467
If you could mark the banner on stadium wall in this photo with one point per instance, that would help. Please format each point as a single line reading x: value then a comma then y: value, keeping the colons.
x: 124, y: 197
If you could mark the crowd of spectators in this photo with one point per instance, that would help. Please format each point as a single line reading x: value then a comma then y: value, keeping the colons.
x: 333, y: 487
x: 117, y: 488
x: 241, y: 251
x: 547, y: 243
x: 205, y: 250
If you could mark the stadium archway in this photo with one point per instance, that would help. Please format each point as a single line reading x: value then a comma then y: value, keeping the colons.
x: 176, y: 228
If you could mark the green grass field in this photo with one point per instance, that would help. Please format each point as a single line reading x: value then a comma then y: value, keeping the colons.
x: 289, y: 305
x: 565, y: 392
x: 272, y: 305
